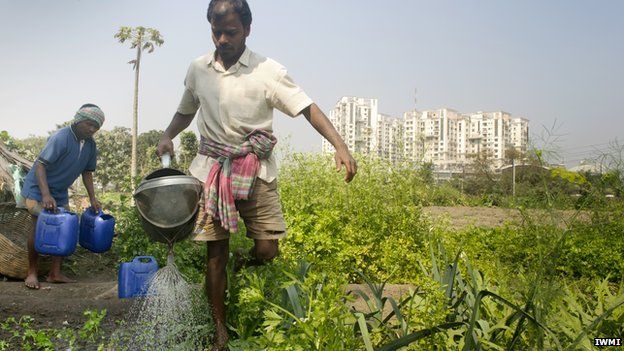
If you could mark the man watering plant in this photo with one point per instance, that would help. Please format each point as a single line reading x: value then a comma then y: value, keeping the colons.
x: 69, y: 153
x: 233, y: 91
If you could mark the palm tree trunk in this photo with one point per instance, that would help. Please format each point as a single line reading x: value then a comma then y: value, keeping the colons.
x: 135, y: 119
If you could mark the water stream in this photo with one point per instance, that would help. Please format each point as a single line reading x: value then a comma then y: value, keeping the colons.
x: 172, y: 316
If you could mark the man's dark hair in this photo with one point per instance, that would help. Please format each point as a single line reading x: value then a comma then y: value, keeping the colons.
x: 240, y: 7
x: 89, y: 105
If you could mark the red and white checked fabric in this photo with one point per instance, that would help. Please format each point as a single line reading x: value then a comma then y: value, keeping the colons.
x: 233, y: 176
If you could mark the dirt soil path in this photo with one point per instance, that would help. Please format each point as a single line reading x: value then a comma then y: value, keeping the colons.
x: 61, y: 305
x: 56, y: 306
x: 459, y: 217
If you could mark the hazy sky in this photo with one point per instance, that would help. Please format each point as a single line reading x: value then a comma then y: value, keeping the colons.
x: 543, y: 60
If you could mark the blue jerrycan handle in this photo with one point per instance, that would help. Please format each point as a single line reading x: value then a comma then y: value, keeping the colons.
x: 59, y: 209
x: 98, y: 213
x: 138, y: 259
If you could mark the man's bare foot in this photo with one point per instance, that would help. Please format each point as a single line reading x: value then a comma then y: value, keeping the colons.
x: 32, y: 282
x: 59, y: 279
x: 220, y: 339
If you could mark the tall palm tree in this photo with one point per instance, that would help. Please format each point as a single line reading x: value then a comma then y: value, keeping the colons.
x: 141, y: 39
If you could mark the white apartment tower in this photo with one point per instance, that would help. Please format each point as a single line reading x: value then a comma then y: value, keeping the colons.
x: 389, y: 138
x: 353, y: 118
x: 365, y: 130
x: 450, y: 139
x: 433, y: 136
x: 445, y: 137
x: 494, y: 133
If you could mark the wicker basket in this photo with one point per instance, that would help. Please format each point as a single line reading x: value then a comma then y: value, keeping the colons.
x: 15, y: 225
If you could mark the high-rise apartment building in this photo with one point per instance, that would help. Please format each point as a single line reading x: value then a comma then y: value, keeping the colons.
x: 354, y: 119
x: 444, y: 136
x: 494, y: 133
x: 433, y: 136
x: 449, y: 139
x: 365, y: 130
x: 388, y: 138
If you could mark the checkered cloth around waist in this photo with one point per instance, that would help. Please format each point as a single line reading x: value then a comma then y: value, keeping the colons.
x: 233, y: 176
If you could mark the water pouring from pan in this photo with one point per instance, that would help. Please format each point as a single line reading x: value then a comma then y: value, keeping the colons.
x: 167, y: 201
x: 172, y: 313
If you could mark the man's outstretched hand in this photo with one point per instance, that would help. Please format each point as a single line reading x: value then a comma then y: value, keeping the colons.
x: 343, y: 157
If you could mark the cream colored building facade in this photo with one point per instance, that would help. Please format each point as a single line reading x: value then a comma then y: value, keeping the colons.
x: 445, y: 137
x: 365, y: 130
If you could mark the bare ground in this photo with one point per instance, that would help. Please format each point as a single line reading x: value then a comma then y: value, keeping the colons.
x: 55, y: 306
x: 60, y: 305
x: 458, y: 217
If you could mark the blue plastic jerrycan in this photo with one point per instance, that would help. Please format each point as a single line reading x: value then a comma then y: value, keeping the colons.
x: 96, y: 230
x: 134, y: 277
x: 56, y: 234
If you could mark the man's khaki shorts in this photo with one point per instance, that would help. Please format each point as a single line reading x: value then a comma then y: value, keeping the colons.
x: 34, y: 207
x: 262, y: 215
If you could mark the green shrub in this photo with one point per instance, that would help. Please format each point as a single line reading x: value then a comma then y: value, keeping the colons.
x: 596, y: 248
x: 282, y: 306
x: 372, y: 224
x: 592, y: 248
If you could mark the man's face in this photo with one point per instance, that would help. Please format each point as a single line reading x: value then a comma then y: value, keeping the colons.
x: 86, y: 129
x: 228, y: 35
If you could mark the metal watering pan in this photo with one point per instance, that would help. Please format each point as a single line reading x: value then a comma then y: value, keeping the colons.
x: 167, y: 201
